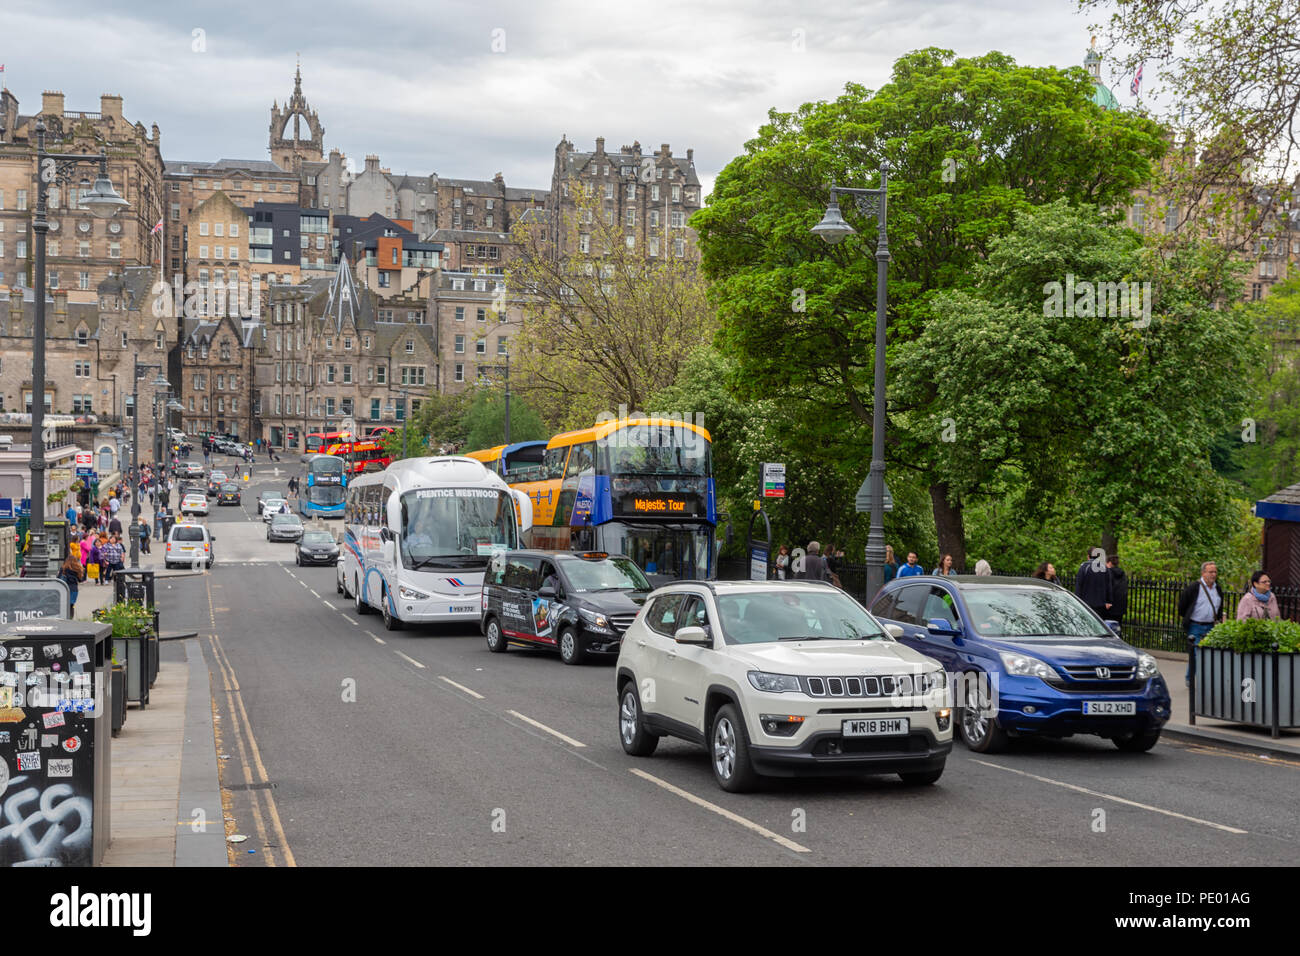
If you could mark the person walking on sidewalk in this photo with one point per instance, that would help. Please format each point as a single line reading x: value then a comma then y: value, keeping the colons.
x: 142, y: 529
x: 1201, y: 607
x: 1259, y: 600
x: 912, y: 567
x: 1118, y: 589
x: 71, y: 574
x: 814, y: 565
x: 891, y: 563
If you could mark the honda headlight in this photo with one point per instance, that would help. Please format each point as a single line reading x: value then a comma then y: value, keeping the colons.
x: 775, y: 683
x: 410, y: 594
x: 1022, y: 665
x: 1147, y: 667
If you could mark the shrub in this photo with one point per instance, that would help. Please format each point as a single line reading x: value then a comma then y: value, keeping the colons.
x: 1255, y: 635
x: 129, y: 618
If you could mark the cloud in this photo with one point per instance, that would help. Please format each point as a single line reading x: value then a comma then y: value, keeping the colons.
x: 419, y: 83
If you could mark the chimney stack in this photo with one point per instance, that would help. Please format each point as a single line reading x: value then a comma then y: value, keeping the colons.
x: 690, y: 156
x: 110, y: 105
x: 600, y: 144
x: 52, y: 103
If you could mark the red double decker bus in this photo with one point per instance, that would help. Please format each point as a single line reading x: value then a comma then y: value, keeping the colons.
x: 361, y: 456
x: 317, y: 442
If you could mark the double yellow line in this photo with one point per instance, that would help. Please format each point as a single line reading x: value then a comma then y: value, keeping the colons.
x: 269, y: 829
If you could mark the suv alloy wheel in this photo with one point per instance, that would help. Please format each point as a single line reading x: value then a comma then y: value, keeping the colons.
x: 636, y: 740
x: 980, y: 732
x: 729, y: 751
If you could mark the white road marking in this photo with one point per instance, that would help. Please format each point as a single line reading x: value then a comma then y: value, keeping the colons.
x: 722, y: 812
x: 541, y: 726
x: 314, y: 594
x: 409, y: 660
x: 1107, y: 796
x: 378, y: 640
x: 304, y: 584
x: 328, y: 604
x: 474, y: 694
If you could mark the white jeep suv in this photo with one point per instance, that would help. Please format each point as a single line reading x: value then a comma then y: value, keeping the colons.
x: 780, y: 679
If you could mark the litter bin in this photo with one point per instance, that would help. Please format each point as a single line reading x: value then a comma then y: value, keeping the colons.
x: 55, y: 743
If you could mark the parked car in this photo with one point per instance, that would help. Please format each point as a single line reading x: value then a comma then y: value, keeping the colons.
x: 229, y: 494
x: 576, y: 603
x: 273, y: 506
x: 1035, y: 660
x: 194, y: 504
x: 215, y: 480
x: 785, y: 678
x: 317, y: 547
x: 285, y: 526
x: 188, y: 545
x: 191, y: 469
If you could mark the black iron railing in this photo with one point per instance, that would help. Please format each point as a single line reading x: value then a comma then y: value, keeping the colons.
x: 1151, y: 621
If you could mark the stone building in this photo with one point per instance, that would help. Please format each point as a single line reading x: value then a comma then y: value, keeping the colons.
x: 305, y: 146
x: 81, y: 250
x: 649, y: 196
x: 324, y: 355
x: 217, y: 360
x: 474, y: 317
x: 91, y: 350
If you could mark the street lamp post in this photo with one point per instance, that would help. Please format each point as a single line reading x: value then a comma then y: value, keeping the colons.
x: 833, y: 229
x: 157, y: 383
x: 103, y: 202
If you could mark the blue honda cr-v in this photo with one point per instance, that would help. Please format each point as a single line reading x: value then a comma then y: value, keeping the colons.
x: 1041, y: 662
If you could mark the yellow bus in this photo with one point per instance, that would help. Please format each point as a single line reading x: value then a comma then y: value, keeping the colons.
x: 642, y: 487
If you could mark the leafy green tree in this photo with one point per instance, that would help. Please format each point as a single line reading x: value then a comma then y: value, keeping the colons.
x: 970, y: 142
x: 1266, y: 448
x: 484, y: 421
x: 439, y: 424
x: 1114, y: 414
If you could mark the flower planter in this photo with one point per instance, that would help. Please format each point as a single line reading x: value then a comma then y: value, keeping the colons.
x: 1257, y: 688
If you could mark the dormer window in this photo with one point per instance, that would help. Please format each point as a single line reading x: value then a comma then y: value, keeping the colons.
x: 83, y: 337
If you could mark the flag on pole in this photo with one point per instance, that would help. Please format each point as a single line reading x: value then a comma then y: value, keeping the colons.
x: 1136, y: 85
x: 157, y: 229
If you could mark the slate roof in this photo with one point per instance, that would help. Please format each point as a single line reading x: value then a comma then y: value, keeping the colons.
x: 187, y: 168
x: 578, y: 161
x: 134, y: 283
x: 1287, y: 496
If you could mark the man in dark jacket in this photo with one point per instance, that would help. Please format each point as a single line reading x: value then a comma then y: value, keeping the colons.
x: 1093, y: 586
x: 1201, y: 607
x: 1118, y: 589
x: 814, y: 565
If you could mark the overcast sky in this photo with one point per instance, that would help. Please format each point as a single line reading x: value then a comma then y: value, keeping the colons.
x: 469, y: 89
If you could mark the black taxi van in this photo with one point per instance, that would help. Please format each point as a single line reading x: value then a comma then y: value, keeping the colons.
x: 576, y: 602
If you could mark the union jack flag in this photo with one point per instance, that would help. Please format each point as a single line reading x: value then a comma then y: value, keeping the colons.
x: 1136, y: 85
x: 157, y: 228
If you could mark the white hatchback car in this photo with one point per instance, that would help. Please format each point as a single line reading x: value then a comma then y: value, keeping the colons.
x: 783, y: 678
x: 194, y: 504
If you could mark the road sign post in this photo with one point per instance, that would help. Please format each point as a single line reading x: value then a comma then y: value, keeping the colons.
x: 773, y: 480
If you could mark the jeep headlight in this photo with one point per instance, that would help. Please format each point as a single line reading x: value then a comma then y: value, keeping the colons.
x: 1147, y: 667
x: 410, y: 594
x: 1022, y: 665
x: 775, y: 683
x: 594, y: 619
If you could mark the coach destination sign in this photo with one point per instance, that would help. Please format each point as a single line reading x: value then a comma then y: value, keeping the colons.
x: 660, y: 503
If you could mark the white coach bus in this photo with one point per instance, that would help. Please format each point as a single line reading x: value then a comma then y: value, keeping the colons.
x: 418, y: 536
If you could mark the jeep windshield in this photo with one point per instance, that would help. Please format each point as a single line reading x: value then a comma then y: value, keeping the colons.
x: 757, y: 617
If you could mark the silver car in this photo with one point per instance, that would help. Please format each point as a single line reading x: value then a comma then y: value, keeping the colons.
x: 285, y: 526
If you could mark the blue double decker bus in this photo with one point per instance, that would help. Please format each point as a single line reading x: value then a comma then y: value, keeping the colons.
x: 325, y: 489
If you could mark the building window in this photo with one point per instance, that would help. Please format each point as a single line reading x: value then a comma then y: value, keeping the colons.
x: 159, y: 341
x: 410, y: 346
x: 679, y: 248
x: 480, y: 347
x: 412, y: 374
x: 374, y: 409
x: 460, y: 373
x: 83, y: 280
x: 329, y: 407
x: 365, y: 341
x: 20, y: 248
x: 460, y: 343
x: 677, y: 194
x: 584, y: 243
x: 609, y: 190
x: 501, y: 345
x: 654, y: 246
x: 22, y: 199
x: 381, y: 374
x: 676, y: 219
x: 347, y: 375
x: 53, y: 280
x: 460, y: 313
x: 482, y: 315
x: 83, y: 338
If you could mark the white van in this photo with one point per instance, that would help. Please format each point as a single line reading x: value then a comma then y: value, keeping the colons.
x: 418, y: 537
x: 189, y: 545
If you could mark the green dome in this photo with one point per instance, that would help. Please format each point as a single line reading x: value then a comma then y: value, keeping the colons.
x: 1103, y: 97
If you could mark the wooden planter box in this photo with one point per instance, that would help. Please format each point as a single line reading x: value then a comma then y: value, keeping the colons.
x: 1258, y: 689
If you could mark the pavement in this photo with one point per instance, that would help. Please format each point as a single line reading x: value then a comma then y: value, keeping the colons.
x: 165, y: 797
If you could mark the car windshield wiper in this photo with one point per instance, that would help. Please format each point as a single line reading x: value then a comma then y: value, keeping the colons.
x: 447, y: 561
x: 808, y: 637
